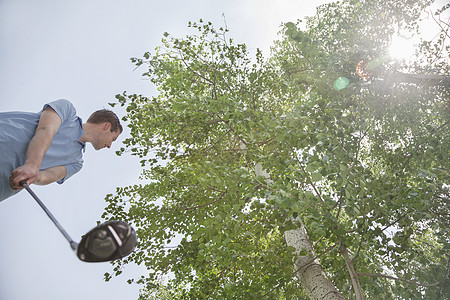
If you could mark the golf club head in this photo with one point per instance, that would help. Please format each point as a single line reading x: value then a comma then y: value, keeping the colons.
x: 108, y: 241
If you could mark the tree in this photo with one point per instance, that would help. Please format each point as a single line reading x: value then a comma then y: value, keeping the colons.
x: 265, y: 176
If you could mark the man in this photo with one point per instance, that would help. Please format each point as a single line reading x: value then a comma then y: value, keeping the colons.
x: 48, y: 146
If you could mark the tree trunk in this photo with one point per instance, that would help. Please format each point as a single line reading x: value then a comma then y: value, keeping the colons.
x: 420, y: 79
x: 312, y: 277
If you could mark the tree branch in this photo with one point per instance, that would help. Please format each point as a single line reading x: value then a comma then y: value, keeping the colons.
x: 353, y: 274
x: 307, y: 176
x: 206, y: 204
x: 405, y: 280
x: 439, y: 24
x: 389, y: 225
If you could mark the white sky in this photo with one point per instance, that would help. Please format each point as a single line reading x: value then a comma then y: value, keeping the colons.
x: 80, y: 50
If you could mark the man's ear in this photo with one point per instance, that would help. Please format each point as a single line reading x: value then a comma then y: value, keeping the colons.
x: 107, y: 126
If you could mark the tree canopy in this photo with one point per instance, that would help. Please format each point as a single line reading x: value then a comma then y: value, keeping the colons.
x: 328, y: 134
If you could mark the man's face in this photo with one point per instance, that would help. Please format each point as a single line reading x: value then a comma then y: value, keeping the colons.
x: 105, y: 137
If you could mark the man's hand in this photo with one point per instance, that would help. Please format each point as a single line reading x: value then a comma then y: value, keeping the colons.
x: 27, y: 173
x: 13, y: 186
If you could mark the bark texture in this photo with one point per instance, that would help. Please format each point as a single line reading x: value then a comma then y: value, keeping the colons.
x: 312, y: 277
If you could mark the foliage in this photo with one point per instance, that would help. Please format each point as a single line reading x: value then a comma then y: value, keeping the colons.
x: 235, y: 148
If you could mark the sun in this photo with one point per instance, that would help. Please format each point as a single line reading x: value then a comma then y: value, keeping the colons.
x: 401, y: 48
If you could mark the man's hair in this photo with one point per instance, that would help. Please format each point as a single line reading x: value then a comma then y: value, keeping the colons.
x: 105, y: 115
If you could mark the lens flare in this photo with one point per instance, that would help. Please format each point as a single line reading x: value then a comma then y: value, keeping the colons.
x: 361, y: 70
x: 341, y: 83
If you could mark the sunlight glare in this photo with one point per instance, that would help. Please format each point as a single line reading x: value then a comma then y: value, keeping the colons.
x: 401, y: 48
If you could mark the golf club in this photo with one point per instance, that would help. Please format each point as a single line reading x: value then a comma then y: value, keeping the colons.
x: 108, y: 241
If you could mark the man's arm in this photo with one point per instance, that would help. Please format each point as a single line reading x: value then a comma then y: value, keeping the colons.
x: 45, y: 177
x: 50, y: 175
x: 48, y: 126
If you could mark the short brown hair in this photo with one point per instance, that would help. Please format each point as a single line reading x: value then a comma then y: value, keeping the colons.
x: 105, y: 115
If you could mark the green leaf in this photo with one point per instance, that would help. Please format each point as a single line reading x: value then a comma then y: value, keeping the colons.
x: 316, y: 177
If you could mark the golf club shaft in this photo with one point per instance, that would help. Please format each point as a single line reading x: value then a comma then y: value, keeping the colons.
x: 73, y: 244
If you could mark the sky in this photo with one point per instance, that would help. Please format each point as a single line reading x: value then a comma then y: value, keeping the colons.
x: 80, y: 51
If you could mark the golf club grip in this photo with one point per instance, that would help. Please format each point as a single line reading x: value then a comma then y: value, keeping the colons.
x: 73, y: 244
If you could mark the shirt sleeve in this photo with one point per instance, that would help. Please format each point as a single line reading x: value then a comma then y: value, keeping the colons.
x: 64, y: 108
x: 71, y: 169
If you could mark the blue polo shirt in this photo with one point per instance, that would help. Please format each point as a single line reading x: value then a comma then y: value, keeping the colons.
x: 18, y: 128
